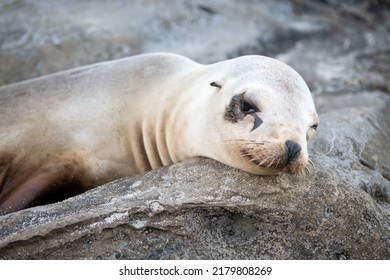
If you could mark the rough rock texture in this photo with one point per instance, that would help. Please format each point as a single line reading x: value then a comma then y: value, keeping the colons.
x: 201, y: 209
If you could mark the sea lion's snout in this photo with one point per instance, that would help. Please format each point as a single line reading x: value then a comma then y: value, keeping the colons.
x: 292, y: 150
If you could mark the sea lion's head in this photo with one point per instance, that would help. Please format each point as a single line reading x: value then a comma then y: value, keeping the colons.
x: 267, y: 116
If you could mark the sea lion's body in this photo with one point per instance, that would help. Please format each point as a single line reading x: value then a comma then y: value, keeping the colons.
x: 65, y: 133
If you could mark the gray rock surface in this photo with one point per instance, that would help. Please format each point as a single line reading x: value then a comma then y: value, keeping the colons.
x: 201, y: 209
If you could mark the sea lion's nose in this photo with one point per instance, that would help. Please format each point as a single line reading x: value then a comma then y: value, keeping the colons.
x: 292, y: 150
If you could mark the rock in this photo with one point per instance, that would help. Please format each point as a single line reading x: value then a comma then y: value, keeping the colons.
x: 201, y: 209
x: 57, y: 36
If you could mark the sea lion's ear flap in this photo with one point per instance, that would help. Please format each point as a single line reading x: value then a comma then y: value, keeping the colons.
x: 217, y: 84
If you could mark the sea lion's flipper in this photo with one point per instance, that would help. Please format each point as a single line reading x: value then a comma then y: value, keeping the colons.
x: 49, y: 183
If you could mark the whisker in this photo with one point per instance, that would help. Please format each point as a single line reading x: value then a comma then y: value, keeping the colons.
x: 277, y: 164
x: 236, y: 140
x: 245, y: 154
x: 263, y: 161
x: 269, y: 165
x: 311, y: 165
x: 250, y: 142
x: 254, y: 159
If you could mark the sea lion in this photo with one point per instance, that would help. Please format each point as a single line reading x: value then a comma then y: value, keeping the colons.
x: 68, y: 132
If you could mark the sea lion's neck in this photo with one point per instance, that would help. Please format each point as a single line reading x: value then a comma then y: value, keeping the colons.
x: 174, y: 129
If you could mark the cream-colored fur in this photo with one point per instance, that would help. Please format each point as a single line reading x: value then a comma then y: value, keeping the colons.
x: 87, y: 126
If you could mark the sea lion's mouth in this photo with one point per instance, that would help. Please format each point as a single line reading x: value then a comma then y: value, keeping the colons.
x: 275, y: 158
x: 255, y: 157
